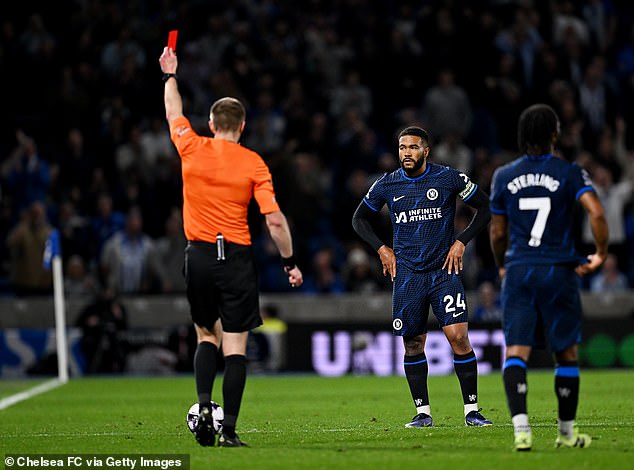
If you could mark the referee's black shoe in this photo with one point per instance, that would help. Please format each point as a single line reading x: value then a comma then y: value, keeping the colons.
x: 204, y: 431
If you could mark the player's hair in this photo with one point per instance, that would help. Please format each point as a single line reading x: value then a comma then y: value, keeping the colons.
x: 418, y: 132
x: 228, y: 114
x: 535, y: 129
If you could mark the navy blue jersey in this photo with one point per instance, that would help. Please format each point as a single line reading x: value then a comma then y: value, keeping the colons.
x: 537, y: 195
x: 422, y: 210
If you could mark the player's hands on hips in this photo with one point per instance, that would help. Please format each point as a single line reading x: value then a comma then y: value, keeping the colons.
x: 295, y: 277
x: 388, y: 260
x: 453, y: 262
x: 594, y: 262
x: 168, y: 61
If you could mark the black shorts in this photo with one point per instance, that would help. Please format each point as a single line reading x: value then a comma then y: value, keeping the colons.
x: 226, y: 289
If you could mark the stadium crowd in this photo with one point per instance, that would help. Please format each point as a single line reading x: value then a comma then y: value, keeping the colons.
x: 328, y: 85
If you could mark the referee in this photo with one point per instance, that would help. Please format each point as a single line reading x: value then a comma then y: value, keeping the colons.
x: 219, y: 179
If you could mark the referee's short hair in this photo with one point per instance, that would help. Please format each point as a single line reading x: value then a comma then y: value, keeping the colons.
x: 537, y: 125
x: 227, y: 113
x: 418, y: 132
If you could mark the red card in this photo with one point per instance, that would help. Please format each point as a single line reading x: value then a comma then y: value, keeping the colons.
x: 171, y: 39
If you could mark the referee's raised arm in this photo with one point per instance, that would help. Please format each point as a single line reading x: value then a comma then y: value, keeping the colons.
x: 173, y: 101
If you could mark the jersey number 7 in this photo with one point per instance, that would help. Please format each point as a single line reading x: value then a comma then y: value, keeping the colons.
x: 542, y: 206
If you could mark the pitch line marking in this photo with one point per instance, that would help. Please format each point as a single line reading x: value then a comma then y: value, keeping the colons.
x: 25, y: 395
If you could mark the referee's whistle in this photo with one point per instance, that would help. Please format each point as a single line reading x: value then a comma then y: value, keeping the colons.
x: 220, y: 247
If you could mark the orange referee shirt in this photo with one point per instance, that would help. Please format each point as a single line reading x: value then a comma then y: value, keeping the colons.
x: 219, y: 180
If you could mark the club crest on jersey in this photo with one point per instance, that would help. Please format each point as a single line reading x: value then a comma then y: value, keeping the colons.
x: 397, y: 324
x: 432, y: 194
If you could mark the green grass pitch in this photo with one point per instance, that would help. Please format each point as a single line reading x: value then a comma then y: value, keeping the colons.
x: 308, y: 422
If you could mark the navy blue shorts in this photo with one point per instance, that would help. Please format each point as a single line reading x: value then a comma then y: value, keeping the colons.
x: 414, y: 292
x: 225, y: 289
x: 541, y: 296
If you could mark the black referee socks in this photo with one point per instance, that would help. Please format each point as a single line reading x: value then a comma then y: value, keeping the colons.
x: 232, y: 389
x: 205, y: 366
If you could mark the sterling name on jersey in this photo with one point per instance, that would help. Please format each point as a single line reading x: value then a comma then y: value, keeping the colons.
x: 422, y: 210
x: 537, y: 195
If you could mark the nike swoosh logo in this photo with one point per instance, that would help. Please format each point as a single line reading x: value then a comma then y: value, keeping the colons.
x: 458, y: 314
x: 397, y: 198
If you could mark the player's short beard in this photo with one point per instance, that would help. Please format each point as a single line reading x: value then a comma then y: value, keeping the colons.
x: 417, y: 166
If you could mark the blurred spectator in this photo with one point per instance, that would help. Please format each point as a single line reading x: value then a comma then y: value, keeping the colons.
x: 326, y: 52
x: 571, y: 139
x: 504, y: 95
x: 36, y: 40
x: 614, y: 197
x: 324, y: 277
x: 566, y: 20
x: 156, y: 143
x: 132, y: 157
x: 401, y: 46
x: 126, y: 256
x: 311, y: 180
x: 298, y: 110
x: 572, y: 56
x: 105, y: 223
x: 131, y: 192
x: 115, y: 118
x: 446, y: 107
x: 361, y: 273
x: 611, y: 152
x: 26, y: 243
x: 166, y: 257
x: 74, y: 232
x: 26, y: 174
x: 318, y: 138
x: 523, y: 41
x: 597, y: 100
x: 265, y: 133
x: 609, y: 279
x: 452, y: 151
x: 488, y: 309
x: 76, y: 167
x: 78, y: 281
x: 351, y: 94
x: 117, y: 51
x: 601, y: 19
